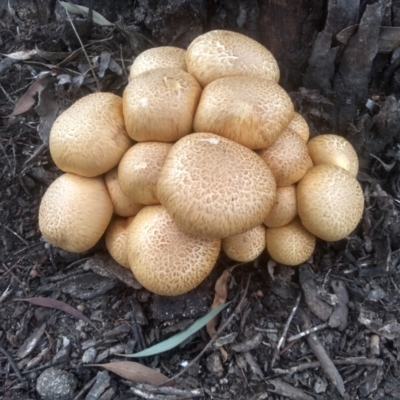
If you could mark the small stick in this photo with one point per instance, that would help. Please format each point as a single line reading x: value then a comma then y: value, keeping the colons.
x: 84, y: 51
x: 285, y: 330
x: 12, y: 363
x: 16, y: 235
x: 308, y: 331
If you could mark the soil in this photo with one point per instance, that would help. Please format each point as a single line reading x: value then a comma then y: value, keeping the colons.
x: 340, y: 64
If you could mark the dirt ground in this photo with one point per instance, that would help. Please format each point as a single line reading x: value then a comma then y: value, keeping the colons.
x: 343, y: 76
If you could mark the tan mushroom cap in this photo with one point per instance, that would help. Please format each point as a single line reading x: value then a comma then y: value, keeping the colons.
x: 299, y: 125
x: 330, y: 202
x: 160, y: 105
x: 291, y: 244
x: 335, y: 150
x: 247, y: 246
x: 115, y: 239
x: 123, y: 205
x: 287, y: 158
x: 89, y: 138
x: 74, y: 212
x: 139, y: 170
x: 220, y: 53
x: 284, y: 209
x: 165, y: 259
x: 158, y: 57
x: 248, y: 110
x: 214, y: 187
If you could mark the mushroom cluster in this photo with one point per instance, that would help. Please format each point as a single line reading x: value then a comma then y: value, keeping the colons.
x: 203, y: 152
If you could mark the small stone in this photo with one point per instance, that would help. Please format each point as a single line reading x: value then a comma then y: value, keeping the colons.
x: 214, y: 365
x: 89, y: 356
x: 56, y: 384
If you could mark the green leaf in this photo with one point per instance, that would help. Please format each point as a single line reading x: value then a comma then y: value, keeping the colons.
x: 82, y: 10
x: 180, y: 337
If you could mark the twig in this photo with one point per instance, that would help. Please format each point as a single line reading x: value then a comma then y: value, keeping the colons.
x: 84, y: 51
x: 12, y: 364
x: 285, y: 330
x: 219, y: 331
x: 308, y: 331
x: 16, y: 235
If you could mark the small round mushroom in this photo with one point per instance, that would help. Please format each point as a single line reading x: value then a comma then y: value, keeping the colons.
x: 284, y: 209
x: 299, y: 125
x: 290, y: 244
x: 247, y: 246
x: 287, y: 158
x: 115, y: 239
x: 165, y: 259
x: 159, y: 105
x: 214, y: 187
x: 89, y: 138
x: 139, y: 169
x: 330, y: 202
x: 123, y: 205
x: 158, y: 57
x: 74, y: 212
x: 221, y: 53
x: 248, y: 110
x: 335, y: 150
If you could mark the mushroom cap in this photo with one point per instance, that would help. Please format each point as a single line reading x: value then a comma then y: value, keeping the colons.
x: 123, y: 205
x: 160, y: 105
x: 74, y: 212
x: 290, y: 244
x: 246, y: 246
x: 284, y: 209
x: 299, y: 125
x: 330, y: 202
x: 248, y: 110
x: 214, y: 187
x: 89, y: 138
x: 139, y: 169
x: 158, y: 57
x: 221, y: 53
x: 287, y: 158
x: 335, y: 150
x: 115, y: 239
x: 165, y: 259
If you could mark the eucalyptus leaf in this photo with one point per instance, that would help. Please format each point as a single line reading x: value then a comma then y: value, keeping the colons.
x: 82, y: 10
x: 177, y: 339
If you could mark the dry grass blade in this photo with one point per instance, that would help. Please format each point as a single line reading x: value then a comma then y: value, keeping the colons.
x: 59, y: 305
x: 134, y: 371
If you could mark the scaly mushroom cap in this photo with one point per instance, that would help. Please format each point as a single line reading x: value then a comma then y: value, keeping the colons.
x: 139, y: 169
x: 115, y: 239
x: 123, y: 205
x: 214, y: 187
x: 158, y: 57
x: 291, y: 244
x: 299, y: 125
x: 287, y: 158
x: 247, y: 246
x: 330, y: 202
x: 74, y: 212
x: 220, y: 53
x: 284, y: 209
x: 248, y: 110
x: 165, y: 259
x: 335, y: 150
x: 89, y: 138
x: 160, y: 105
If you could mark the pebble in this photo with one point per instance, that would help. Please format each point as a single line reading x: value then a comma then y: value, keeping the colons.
x: 56, y: 384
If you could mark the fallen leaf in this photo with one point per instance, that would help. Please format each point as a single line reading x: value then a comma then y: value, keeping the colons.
x: 221, y: 294
x: 58, y: 305
x: 84, y: 11
x: 31, y: 342
x: 179, y: 338
x: 134, y: 371
x: 21, y: 55
x: 27, y: 101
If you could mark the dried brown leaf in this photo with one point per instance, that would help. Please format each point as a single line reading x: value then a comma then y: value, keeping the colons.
x: 134, y: 371
x: 220, y: 297
x: 58, y: 305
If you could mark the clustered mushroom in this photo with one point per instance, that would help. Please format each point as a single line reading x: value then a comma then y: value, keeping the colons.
x: 204, y: 152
